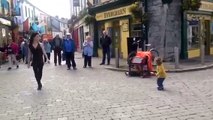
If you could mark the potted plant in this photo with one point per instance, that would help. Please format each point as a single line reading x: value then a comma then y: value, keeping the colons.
x: 136, y: 11
x: 193, y: 5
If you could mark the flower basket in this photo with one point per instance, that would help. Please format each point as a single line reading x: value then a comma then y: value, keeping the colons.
x: 193, y: 5
x: 89, y: 19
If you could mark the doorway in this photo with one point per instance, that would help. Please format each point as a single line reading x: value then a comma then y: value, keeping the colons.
x: 116, y: 42
x: 207, y: 39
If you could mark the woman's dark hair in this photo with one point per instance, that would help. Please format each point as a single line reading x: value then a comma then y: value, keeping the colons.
x: 32, y: 38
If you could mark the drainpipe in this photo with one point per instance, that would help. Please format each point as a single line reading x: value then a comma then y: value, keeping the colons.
x: 184, y: 52
x: 146, y: 23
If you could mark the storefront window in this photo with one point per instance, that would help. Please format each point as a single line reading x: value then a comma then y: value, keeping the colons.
x: 193, y: 36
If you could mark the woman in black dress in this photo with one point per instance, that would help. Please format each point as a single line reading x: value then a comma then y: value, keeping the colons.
x: 36, y: 53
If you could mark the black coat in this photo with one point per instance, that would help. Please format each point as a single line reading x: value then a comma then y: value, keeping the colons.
x: 105, y: 41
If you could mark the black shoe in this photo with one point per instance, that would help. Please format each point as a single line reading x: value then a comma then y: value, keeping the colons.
x: 55, y: 64
x: 9, y: 68
x: 160, y: 88
x: 17, y: 66
x: 68, y: 68
x: 108, y: 63
x: 102, y: 64
x: 84, y: 66
x: 39, y: 87
x: 74, y: 68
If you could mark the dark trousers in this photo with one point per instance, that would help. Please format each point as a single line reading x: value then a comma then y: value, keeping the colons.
x: 38, y: 72
x: 106, y: 52
x: 160, y: 82
x: 70, y: 56
x: 87, y: 60
x: 57, y: 52
x: 48, y: 56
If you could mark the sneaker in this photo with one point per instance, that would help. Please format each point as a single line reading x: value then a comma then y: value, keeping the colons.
x: 9, y: 68
x: 102, y: 64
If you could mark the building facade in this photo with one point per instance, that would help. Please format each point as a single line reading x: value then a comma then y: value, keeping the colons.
x: 198, y: 30
x: 116, y: 18
x: 5, y: 21
x: 79, y: 9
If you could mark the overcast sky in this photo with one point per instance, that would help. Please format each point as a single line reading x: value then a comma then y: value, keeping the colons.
x: 54, y: 7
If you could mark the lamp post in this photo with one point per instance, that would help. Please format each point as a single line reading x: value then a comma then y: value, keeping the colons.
x: 144, y: 25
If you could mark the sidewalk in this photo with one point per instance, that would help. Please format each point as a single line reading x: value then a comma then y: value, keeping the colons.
x: 185, y: 65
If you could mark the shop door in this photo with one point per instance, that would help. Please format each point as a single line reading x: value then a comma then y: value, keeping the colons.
x: 207, y: 41
x: 116, y: 37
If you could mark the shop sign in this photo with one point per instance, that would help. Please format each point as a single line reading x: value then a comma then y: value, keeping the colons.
x: 206, y: 6
x: 123, y: 11
x: 5, y: 22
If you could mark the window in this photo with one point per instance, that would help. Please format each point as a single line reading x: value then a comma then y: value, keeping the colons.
x: 29, y: 12
x: 25, y: 11
x: 193, y: 35
x: 32, y: 14
x: 95, y: 2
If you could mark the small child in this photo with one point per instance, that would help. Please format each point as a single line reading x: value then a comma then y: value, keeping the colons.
x: 161, y: 74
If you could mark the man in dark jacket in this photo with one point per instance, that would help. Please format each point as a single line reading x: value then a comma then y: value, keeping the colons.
x: 57, y: 47
x: 105, y: 43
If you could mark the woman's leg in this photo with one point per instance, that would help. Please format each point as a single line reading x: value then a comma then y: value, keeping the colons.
x: 38, y: 74
x: 90, y: 61
x: 85, y: 61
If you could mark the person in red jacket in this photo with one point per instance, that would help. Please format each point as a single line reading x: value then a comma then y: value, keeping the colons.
x: 12, y: 52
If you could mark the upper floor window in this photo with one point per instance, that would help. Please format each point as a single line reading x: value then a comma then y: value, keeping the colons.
x: 25, y: 11
x: 95, y: 2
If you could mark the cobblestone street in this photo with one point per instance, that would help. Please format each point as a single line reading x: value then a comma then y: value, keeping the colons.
x: 100, y: 94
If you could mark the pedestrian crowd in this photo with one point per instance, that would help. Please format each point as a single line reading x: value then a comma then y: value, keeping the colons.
x: 36, y: 51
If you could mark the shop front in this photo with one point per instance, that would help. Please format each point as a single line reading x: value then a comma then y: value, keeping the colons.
x: 200, y: 30
x: 117, y: 23
x: 5, y: 32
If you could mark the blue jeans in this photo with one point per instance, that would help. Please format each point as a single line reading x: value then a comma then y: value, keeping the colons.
x: 160, y: 82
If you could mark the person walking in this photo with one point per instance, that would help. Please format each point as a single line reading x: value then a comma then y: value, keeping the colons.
x: 48, y: 49
x: 69, y: 50
x: 105, y: 43
x: 36, y: 52
x: 24, y: 50
x: 12, y: 52
x: 88, y: 51
x: 57, y: 47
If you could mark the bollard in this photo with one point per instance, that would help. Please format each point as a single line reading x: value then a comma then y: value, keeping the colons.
x: 117, y: 57
x: 176, y: 50
x: 202, y: 54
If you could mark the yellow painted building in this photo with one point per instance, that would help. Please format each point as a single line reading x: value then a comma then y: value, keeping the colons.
x: 116, y: 22
x: 114, y: 17
x: 200, y: 30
